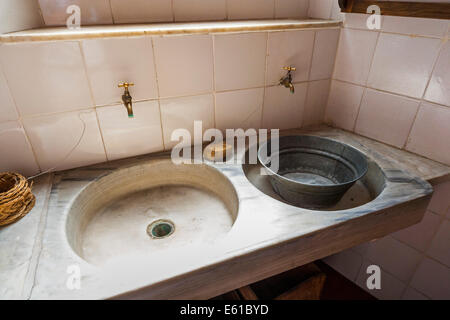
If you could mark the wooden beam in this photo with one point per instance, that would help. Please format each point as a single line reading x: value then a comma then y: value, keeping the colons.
x: 400, y: 8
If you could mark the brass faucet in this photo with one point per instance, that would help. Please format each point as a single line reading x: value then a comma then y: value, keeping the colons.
x: 287, y: 79
x: 126, y: 98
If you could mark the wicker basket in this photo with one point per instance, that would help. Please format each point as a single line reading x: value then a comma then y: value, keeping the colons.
x: 16, y: 199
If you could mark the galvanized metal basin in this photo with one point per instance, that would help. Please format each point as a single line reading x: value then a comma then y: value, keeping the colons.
x: 313, y: 172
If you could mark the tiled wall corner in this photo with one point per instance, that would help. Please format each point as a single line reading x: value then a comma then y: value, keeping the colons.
x: 391, y: 85
x: 343, y: 104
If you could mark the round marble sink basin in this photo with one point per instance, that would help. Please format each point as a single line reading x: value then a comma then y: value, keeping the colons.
x: 151, y: 207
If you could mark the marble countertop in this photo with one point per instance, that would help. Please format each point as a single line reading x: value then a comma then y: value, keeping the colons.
x: 35, y: 254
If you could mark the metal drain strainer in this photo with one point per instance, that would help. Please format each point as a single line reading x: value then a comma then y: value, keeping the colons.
x: 160, y: 229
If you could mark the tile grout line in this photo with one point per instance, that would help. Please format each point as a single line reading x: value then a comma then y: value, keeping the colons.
x: 266, y: 63
x: 396, y: 33
x: 111, y: 10
x: 389, y: 92
x: 19, y: 120
x: 213, y: 40
x: 274, y: 9
x: 422, y: 99
x: 91, y: 92
x: 173, y: 10
x: 157, y: 87
x: 372, y: 58
x: 302, y: 124
x: 424, y: 256
x: 117, y: 103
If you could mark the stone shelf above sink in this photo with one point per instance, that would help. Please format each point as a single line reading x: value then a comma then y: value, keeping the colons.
x: 131, y: 30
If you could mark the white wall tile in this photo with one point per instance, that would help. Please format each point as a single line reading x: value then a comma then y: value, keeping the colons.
x: 54, y: 136
x: 184, y: 65
x: 415, y: 26
x: 290, y: 48
x: 403, y: 64
x: 239, y: 60
x: 316, y: 102
x: 250, y: 9
x: 92, y: 11
x: 440, y: 247
x: 325, y: 48
x: 291, y: 8
x: 440, y: 202
x: 180, y: 113
x: 343, y: 104
x: 8, y: 106
x: 419, y: 236
x: 320, y: 9
x: 433, y: 279
x: 282, y: 109
x: 439, y: 87
x: 386, y: 117
x: 354, y: 56
x: 200, y: 10
x: 115, y: 60
x: 126, y: 137
x: 394, y: 257
x: 391, y: 288
x: 430, y: 132
x: 17, y: 155
x: 239, y: 109
x: 347, y: 263
x: 138, y: 11
x: 52, y: 75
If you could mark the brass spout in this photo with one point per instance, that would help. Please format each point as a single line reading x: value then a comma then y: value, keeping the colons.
x: 287, y: 80
x: 127, y: 99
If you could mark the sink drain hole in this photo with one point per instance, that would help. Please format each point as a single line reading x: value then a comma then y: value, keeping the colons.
x: 160, y: 229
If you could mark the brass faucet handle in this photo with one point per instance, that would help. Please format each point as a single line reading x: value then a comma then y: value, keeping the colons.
x: 125, y: 84
x: 289, y: 68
